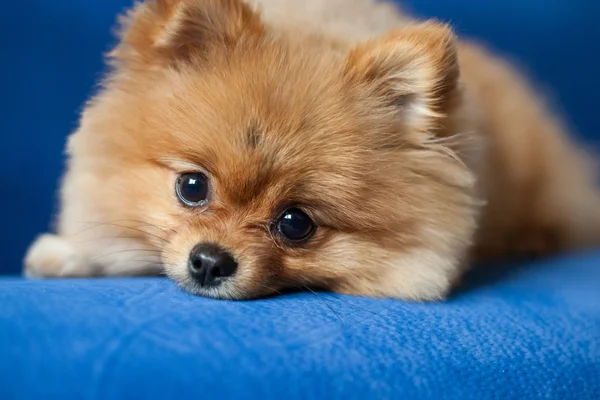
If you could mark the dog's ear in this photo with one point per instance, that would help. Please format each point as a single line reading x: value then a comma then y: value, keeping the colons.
x: 414, y: 70
x: 172, y: 31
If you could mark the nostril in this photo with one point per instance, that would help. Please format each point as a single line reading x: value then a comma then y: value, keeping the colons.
x: 196, y: 264
x: 197, y: 268
x: 209, y: 264
x: 224, y: 267
x: 216, y: 272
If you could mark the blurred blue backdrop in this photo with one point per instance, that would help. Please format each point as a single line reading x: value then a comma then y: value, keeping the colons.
x: 52, y: 58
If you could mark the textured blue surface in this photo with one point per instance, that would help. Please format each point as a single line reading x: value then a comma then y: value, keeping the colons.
x: 522, y: 334
x: 532, y: 332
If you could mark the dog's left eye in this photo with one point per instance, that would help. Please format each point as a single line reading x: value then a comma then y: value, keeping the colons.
x: 295, y: 225
x: 192, y: 189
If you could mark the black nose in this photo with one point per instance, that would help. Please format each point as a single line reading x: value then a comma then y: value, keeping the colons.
x: 209, y: 264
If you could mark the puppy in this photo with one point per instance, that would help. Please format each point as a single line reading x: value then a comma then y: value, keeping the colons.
x: 334, y: 144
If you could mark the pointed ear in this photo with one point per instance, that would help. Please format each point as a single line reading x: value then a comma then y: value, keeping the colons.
x: 413, y: 69
x: 171, y: 31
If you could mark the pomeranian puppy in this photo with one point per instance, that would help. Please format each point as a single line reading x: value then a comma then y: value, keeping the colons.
x: 243, y: 149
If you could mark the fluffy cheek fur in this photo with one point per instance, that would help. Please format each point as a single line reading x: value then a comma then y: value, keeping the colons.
x: 418, y: 253
x: 353, y: 264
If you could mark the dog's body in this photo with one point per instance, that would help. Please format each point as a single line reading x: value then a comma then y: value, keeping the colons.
x: 414, y: 155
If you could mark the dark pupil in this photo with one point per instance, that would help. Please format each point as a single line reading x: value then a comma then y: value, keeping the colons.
x: 295, y: 225
x: 193, y: 188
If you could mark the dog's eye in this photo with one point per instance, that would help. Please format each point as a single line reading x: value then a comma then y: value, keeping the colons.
x: 192, y: 189
x: 294, y: 225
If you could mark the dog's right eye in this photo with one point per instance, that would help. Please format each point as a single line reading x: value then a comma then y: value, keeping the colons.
x: 192, y: 189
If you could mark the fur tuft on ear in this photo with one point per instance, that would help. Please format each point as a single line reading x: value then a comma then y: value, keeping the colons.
x: 171, y: 31
x: 413, y: 69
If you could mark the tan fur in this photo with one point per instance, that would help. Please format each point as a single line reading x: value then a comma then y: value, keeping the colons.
x: 414, y: 153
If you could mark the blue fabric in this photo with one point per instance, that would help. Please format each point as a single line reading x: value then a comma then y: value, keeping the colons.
x: 519, y: 334
x: 531, y: 332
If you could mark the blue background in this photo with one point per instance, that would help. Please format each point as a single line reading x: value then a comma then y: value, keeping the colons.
x: 52, y: 58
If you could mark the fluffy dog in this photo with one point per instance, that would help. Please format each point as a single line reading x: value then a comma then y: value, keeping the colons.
x: 335, y: 144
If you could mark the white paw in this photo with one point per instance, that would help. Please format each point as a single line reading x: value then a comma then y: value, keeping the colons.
x: 52, y: 256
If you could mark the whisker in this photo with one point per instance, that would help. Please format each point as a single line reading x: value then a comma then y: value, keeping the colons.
x: 145, y: 223
x: 270, y: 288
x: 93, y: 226
x: 99, y: 238
x: 133, y: 228
x: 138, y: 230
x: 325, y: 303
x: 149, y: 263
x: 360, y: 308
x: 125, y: 251
x: 341, y: 300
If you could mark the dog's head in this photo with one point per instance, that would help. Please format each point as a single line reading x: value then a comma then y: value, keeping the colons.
x: 273, y: 159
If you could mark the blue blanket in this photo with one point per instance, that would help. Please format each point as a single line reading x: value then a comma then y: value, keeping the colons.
x: 526, y: 333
